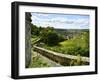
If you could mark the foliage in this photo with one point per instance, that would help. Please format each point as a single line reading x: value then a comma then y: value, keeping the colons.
x: 79, y: 45
x: 34, y: 30
x: 77, y: 62
x: 50, y: 37
x: 37, y: 61
x: 61, y: 38
x: 34, y: 39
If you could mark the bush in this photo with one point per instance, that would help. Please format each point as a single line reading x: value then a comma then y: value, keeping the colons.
x: 61, y: 38
x: 52, y: 38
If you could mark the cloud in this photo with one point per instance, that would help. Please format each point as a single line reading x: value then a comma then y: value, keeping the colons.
x: 41, y: 14
x: 61, y: 21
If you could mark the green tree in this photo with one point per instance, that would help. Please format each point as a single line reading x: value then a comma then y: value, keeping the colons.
x: 49, y: 36
x: 34, y: 30
x: 52, y: 38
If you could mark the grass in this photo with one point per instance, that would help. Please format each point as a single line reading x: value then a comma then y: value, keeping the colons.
x: 79, y: 45
x: 37, y: 61
x: 34, y: 38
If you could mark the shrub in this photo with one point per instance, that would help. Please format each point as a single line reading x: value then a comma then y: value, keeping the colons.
x: 61, y: 38
x: 52, y: 38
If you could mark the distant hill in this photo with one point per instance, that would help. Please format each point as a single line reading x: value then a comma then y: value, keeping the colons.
x: 70, y: 33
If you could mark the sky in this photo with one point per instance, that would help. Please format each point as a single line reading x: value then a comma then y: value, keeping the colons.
x: 61, y: 21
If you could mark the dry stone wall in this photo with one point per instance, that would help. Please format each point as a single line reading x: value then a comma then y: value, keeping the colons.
x: 60, y: 58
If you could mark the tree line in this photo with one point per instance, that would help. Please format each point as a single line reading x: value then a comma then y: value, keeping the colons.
x: 48, y: 35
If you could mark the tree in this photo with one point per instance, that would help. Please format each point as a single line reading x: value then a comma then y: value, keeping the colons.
x: 52, y: 38
x: 49, y: 36
x: 34, y: 30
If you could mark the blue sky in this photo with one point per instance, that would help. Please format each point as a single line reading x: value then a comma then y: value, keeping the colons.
x: 61, y: 21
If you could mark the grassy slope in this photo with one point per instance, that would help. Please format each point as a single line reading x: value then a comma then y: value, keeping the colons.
x: 76, y: 46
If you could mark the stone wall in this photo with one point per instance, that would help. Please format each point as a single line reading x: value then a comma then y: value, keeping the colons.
x: 27, y: 39
x: 61, y: 58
